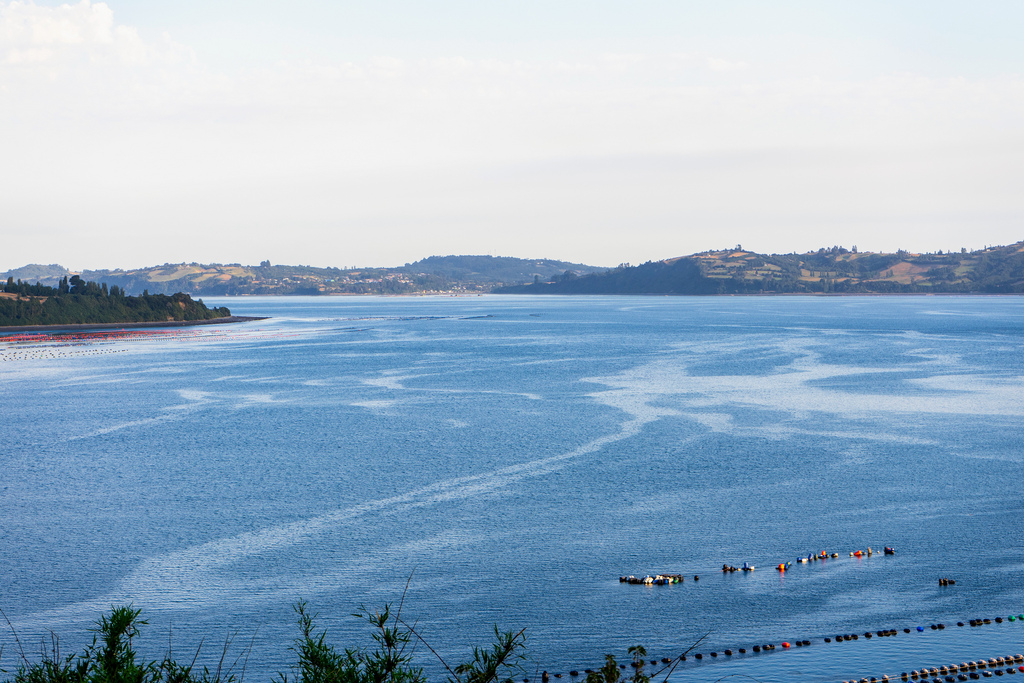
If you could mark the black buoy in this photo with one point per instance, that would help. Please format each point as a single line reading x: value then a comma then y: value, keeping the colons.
x: 959, y: 623
x: 574, y: 673
x: 828, y: 640
x: 743, y: 650
x: 906, y: 630
x: 714, y: 654
x: 698, y: 656
x: 666, y: 660
x: 728, y: 653
x: 682, y: 658
x: 757, y: 648
x: 999, y: 620
x: 696, y: 578
x: 807, y: 642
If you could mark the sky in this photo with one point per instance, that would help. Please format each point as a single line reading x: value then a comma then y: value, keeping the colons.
x: 335, y: 133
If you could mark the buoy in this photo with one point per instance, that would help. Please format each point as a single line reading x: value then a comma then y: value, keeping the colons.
x: 728, y: 653
x: 920, y: 628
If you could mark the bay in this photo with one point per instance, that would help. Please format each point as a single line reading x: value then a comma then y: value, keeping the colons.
x: 509, y: 458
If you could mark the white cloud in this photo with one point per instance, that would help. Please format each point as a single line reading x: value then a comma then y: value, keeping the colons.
x: 58, y: 36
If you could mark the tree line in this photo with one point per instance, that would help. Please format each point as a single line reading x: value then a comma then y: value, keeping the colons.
x: 75, y: 301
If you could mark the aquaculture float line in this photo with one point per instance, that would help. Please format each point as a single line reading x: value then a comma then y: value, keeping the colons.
x: 669, y: 579
x: 951, y: 673
x: 984, y: 668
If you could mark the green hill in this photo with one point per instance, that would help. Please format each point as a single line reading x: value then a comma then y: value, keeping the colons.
x: 448, y: 274
x: 76, y: 301
x: 834, y: 270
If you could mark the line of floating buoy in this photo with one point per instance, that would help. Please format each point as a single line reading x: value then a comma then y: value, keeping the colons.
x: 664, y: 579
x: 984, y: 666
x: 825, y: 555
x: 951, y: 673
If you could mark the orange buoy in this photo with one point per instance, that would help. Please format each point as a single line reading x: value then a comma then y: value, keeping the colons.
x: 785, y: 645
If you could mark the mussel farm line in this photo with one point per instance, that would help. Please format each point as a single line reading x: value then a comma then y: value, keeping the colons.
x: 982, y: 668
x: 668, y: 579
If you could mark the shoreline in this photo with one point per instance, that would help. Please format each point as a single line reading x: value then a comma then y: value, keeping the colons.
x: 123, y: 326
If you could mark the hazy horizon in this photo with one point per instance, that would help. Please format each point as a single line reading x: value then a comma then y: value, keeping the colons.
x: 330, y: 133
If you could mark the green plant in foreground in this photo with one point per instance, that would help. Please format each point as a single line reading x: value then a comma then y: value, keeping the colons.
x: 111, y: 658
x: 320, y: 662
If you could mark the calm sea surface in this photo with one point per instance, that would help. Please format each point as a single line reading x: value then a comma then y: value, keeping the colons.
x: 509, y: 458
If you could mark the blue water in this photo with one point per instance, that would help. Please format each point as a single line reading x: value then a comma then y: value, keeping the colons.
x: 510, y: 458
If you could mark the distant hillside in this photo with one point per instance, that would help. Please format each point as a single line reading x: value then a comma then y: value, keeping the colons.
x: 447, y: 274
x: 494, y: 269
x: 835, y: 270
x: 47, y: 275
